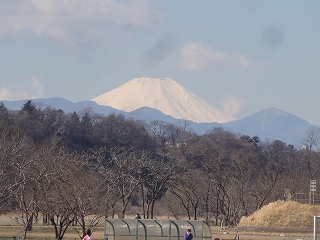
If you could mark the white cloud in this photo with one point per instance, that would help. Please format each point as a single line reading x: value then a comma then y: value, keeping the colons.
x: 5, y: 94
x: 37, y: 91
x: 38, y: 87
x: 74, y: 21
x: 197, y: 56
x: 232, y: 105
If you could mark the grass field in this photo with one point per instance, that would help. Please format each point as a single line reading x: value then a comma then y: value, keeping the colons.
x: 46, y: 232
x: 9, y: 228
x: 42, y: 232
x: 276, y: 221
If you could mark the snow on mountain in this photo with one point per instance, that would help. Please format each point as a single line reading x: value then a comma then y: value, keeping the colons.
x: 163, y: 94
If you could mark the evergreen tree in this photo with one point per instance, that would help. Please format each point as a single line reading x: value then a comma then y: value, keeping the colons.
x: 3, y: 109
x: 29, y: 107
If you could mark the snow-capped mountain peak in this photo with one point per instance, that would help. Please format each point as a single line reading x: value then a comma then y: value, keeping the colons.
x: 163, y: 94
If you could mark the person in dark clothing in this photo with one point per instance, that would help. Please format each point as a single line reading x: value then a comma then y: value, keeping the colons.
x: 138, y: 216
x: 188, y: 235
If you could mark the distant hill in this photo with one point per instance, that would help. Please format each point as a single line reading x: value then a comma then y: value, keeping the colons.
x: 272, y: 124
x: 63, y: 104
x: 269, y: 124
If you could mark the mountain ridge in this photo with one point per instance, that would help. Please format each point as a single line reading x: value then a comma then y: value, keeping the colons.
x: 281, y: 125
x: 272, y: 123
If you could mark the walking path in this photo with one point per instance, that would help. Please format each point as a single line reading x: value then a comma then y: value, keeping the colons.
x: 262, y: 236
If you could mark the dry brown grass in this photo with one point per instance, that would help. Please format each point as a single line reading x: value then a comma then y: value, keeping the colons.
x: 282, y: 214
x: 277, y: 220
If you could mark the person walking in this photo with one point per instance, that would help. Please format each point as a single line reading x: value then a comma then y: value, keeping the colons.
x: 88, y: 236
x: 188, y: 235
x: 138, y: 216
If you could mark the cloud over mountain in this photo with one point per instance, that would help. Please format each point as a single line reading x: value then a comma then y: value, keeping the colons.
x: 35, y: 90
x: 163, y: 94
x: 59, y: 19
x: 197, y: 56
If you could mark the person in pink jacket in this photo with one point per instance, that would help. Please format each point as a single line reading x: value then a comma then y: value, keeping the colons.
x: 88, y: 236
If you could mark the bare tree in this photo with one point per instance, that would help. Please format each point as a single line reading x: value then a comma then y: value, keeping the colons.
x: 310, y: 145
x: 243, y: 168
x: 185, y: 188
x: 18, y: 173
x: 12, y: 145
x: 89, y: 192
x: 128, y: 165
x: 122, y: 169
x: 158, y: 172
x: 24, y: 190
x: 102, y: 164
x: 158, y: 131
x: 269, y: 171
x: 57, y: 195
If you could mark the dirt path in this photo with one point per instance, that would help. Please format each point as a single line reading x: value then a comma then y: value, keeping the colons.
x: 232, y: 235
x: 260, y: 237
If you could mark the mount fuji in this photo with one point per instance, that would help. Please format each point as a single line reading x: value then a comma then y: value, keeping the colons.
x: 165, y: 95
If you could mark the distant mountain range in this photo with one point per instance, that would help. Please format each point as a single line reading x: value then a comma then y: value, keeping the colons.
x: 164, y: 99
x: 268, y: 124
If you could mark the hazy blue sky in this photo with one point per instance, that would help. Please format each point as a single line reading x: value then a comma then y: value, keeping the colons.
x: 240, y: 56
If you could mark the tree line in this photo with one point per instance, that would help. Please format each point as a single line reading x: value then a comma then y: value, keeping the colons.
x: 63, y: 167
